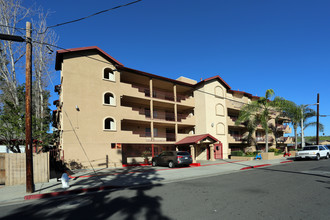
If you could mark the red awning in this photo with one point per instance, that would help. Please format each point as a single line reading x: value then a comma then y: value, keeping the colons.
x: 195, y: 139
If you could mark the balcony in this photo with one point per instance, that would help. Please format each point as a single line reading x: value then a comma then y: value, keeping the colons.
x: 135, y: 90
x: 164, y: 116
x: 231, y: 121
x: 234, y: 105
x: 57, y: 89
x: 134, y: 113
x: 263, y: 139
x: 185, y: 100
x: 285, y: 128
x: 285, y: 140
x: 186, y: 118
x: 235, y: 139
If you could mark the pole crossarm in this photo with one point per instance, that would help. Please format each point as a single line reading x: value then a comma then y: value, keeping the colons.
x: 11, y: 38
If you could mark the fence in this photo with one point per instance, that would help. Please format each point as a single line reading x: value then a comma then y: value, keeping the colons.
x: 2, y: 169
x: 13, y: 168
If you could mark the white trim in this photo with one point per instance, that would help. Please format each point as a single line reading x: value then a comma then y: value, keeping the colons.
x: 114, y: 97
x: 114, y: 122
x: 111, y: 79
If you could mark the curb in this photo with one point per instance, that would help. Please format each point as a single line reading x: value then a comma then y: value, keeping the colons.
x: 288, y: 161
x: 251, y: 167
x: 70, y: 192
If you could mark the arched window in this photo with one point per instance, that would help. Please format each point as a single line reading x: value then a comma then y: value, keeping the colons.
x: 109, y: 99
x: 219, y: 110
x: 109, y: 124
x: 220, y: 128
x: 108, y: 74
x: 218, y: 91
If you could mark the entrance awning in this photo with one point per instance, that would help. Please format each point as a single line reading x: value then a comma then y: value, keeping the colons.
x: 196, y: 139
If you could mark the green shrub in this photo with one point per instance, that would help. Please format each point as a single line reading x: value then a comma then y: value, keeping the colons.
x: 278, y: 151
x: 249, y: 153
x: 237, y: 153
x: 271, y: 150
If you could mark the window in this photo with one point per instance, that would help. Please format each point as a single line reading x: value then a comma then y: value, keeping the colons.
x: 109, y: 124
x: 109, y: 99
x: 108, y: 74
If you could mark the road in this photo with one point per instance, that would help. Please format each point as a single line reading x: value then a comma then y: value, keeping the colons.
x: 298, y: 190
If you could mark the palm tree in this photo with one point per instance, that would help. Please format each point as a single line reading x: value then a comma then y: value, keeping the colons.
x: 293, y: 112
x: 260, y: 112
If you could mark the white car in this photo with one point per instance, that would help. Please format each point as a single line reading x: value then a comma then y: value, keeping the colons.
x: 313, y: 152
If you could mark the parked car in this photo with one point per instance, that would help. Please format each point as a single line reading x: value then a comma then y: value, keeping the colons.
x: 313, y: 152
x: 172, y: 159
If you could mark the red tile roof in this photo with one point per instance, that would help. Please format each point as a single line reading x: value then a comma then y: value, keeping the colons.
x: 60, y: 53
x: 195, y: 139
x: 215, y: 78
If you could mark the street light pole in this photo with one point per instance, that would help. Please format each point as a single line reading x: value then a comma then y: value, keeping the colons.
x: 302, y: 127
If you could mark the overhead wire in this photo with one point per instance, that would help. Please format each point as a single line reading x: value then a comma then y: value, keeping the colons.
x: 91, y: 15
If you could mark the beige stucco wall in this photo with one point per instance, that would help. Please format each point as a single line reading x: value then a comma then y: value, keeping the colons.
x: 83, y: 86
x: 207, y: 118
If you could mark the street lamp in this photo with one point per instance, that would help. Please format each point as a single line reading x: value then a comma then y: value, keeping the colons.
x: 302, y: 123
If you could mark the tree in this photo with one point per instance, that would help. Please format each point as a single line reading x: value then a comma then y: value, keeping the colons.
x: 293, y: 112
x: 12, y: 13
x: 42, y: 59
x: 260, y: 112
x: 307, y: 114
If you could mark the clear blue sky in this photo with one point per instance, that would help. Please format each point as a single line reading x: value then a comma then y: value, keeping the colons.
x: 254, y: 45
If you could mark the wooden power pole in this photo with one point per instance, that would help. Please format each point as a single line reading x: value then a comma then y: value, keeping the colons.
x: 317, y: 120
x: 28, y: 111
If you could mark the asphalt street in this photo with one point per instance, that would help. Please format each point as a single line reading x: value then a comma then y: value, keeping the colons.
x: 298, y: 190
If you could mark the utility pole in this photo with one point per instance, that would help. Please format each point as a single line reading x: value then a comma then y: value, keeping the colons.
x: 317, y: 121
x: 28, y: 101
x: 28, y: 111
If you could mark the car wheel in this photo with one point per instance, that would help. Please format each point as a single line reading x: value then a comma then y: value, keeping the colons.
x: 154, y: 163
x: 327, y: 157
x: 318, y: 157
x: 171, y: 164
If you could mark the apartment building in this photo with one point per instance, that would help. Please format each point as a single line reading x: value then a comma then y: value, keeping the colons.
x: 108, y: 114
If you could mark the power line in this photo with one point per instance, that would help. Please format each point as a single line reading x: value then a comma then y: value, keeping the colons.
x: 89, y: 16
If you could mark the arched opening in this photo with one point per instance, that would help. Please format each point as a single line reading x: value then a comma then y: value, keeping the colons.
x: 109, y: 124
x: 109, y: 99
x: 108, y: 74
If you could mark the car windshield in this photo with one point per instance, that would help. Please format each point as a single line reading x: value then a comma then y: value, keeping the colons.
x: 183, y: 153
x: 311, y: 148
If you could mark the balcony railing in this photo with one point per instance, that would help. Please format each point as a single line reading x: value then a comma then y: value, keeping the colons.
x: 165, y: 116
x: 170, y: 136
x: 263, y: 139
x: 237, y: 137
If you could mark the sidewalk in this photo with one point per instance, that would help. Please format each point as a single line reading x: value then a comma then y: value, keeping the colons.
x: 84, y: 181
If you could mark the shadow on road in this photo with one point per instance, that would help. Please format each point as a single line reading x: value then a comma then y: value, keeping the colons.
x: 129, y: 204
